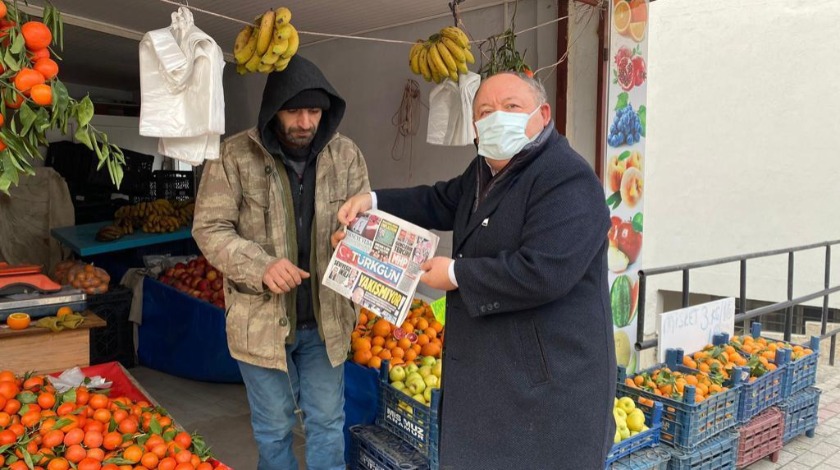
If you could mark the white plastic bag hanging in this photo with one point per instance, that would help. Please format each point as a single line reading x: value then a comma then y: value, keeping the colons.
x: 450, y: 111
x: 182, y: 100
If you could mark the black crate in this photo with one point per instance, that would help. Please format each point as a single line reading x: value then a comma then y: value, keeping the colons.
x: 115, y: 341
x: 374, y: 448
x: 137, y: 173
x: 174, y: 185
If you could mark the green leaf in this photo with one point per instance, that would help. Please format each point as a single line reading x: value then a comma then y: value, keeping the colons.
x: 17, y: 44
x: 61, y: 98
x: 69, y: 396
x: 119, y: 461
x: 638, y: 222
x: 118, y: 174
x: 643, y: 118
x: 62, y: 422
x: 10, y: 62
x: 84, y: 111
x: 5, y: 184
x: 5, y: 448
x: 83, y: 136
x: 154, y: 426
x: 27, y: 458
x: 27, y: 118
x: 112, y: 426
x: 623, y: 100
x: 614, y: 200
x: 26, y: 397
x: 624, y: 155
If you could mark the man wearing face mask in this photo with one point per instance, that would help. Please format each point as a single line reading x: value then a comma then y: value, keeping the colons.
x: 529, y: 362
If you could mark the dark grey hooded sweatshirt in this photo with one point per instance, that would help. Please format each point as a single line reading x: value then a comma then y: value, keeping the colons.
x: 300, y: 75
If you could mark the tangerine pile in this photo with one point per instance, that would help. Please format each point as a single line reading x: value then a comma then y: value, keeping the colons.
x: 375, y: 339
x: 671, y: 384
x: 85, y: 430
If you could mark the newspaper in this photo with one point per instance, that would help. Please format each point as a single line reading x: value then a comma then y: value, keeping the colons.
x: 377, y: 265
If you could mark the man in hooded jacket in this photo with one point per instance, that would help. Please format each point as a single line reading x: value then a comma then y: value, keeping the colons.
x: 264, y: 214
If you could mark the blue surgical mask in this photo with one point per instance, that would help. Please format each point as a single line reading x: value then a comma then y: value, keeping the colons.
x: 501, y: 135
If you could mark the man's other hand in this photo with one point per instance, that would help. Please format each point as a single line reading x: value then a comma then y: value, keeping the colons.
x: 436, y: 273
x: 353, y: 206
x: 282, y: 276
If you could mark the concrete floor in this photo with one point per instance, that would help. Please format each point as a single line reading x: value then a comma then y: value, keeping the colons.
x: 219, y: 412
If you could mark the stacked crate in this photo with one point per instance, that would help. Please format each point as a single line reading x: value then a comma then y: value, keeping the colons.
x: 405, y: 436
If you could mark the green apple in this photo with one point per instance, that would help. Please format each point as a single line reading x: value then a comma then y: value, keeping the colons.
x: 419, y: 398
x: 633, y: 433
x: 636, y: 420
x: 626, y: 404
x: 427, y: 394
x: 398, y: 385
x: 431, y: 380
x: 619, y: 413
x: 414, y: 384
x: 624, y: 431
x: 397, y: 374
x: 411, y: 368
x: 617, y: 438
x: 425, y: 371
x: 437, y: 369
x: 428, y: 361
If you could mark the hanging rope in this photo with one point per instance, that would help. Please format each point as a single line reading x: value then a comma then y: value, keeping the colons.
x: 407, y: 122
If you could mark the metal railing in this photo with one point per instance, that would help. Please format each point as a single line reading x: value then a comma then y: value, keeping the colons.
x: 744, y: 315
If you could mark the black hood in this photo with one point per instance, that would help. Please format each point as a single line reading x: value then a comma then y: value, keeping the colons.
x: 300, y: 75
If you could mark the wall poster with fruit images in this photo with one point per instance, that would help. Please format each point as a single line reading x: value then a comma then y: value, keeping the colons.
x: 624, y: 157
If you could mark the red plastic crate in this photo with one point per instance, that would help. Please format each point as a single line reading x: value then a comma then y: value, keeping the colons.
x: 761, y: 437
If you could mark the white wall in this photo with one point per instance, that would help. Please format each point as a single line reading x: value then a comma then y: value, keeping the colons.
x: 742, y: 142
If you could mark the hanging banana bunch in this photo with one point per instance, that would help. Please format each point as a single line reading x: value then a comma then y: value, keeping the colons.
x: 444, y: 55
x: 268, y: 45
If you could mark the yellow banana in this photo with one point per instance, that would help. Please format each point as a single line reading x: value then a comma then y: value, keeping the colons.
x: 282, y: 15
x: 281, y: 64
x: 242, y: 40
x: 279, y: 47
x: 253, y: 63
x: 414, y: 57
x: 447, y: 57
x: 265, y: 68
x: 269, y: 58
x: 266, y: 32
x: 245, y: 52
x: 468, y: 55
x: 462, y: 67
x: 456, y: 35
x: 284, y: 31
x: 440, y: 65
x: 455, y: 50
x: 294, y: 43
x: 423, y: 64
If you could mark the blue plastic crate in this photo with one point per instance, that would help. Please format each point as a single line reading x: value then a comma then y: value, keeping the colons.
x: 800, y: 373
x: 800, y: 412
x: 719, y: 453
x: 686, y: 424
x: 640, y: 441
x: 374, y: 448
x: 652, y: 458
x: 410, y: 420
x: 764, y: 391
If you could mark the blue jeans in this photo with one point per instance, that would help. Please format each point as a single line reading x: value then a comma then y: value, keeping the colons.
x: 318, y: 388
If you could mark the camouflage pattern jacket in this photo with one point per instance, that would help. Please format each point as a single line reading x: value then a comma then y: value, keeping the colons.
x: 244, y: 222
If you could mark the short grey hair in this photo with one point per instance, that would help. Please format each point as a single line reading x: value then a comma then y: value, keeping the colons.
x: 537, y: 88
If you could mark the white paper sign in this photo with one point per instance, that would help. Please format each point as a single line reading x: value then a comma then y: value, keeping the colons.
x: 692, y: 328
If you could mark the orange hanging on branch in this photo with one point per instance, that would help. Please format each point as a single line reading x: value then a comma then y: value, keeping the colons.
x: 36, y: 34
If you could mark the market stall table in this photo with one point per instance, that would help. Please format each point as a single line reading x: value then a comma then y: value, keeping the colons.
x: 41, y: 350
x: 82, y: 238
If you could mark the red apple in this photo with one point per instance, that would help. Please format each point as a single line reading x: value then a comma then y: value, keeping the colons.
x: 212, y: 274
x: 180, y: 266
x: 192, y: 264
x: 199, y: 271
x: 204, y: 285
x: 217, y: 285
x: 219, y: 303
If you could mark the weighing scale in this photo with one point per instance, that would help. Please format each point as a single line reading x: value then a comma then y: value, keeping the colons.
x: 24, y: 288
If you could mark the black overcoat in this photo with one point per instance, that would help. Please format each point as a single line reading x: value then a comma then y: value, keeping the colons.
x: 529, y: 366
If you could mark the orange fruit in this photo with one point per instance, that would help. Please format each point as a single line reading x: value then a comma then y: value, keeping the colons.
x: 58, y: 464
x: 93, y: 439
x: 385, y: 354
x: 376, y: 349
x: 422, y: 324
x: 65, y: 310
x: 44, y: 53
x: 41, y: 94
x: 362, y: 356
x: 404, y: 343
x: 46, y: 400
x: 98, y: 401
x: 128, y: 426
x: 183, y: 439
x: 381, y: 328
x: 397, y: 353
x: 361, y: 344
x: 183, y: 456
x: 18, y: 321
x: 96, y: 454
x: 133, y: 453
x: 53, y: 438
x: 637, y: 31
x: 16, y: 103
x: 3, y: 11
x: 5, y: 418
x: 431, y: 349
x: 621, y: 17
x: 27, y: 78
x: 422, y: 339
x: 185, y: 466
x: 7, y: 437
x: 102, y: 415
x: 36, y: 35
x: 47, y: 67
x: 2, y: 119
x: 149, y: 460
x: 438, y: 326
x: 73, y: 437
x: 375, y: 362
x: 410, y: 355
x: 167, y: 464
x: 378, y: 340
x: 7, y: 376
x: 8, y: 390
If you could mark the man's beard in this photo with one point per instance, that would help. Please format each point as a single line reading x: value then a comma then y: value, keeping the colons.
x: 297, y: 137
